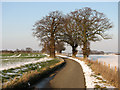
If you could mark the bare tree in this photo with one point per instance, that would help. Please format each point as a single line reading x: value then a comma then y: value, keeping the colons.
x: 46, y: 47
x: 47, y: 28
x: 59, y: 46
x: 92, y: 25
x: 80, y: 27
x: 70, y: 34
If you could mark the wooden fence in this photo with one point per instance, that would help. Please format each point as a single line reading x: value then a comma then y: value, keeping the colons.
x: 108, y: 65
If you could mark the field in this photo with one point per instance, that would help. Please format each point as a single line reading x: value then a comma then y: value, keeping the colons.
x: 11, y: 60
x: 15, y: 65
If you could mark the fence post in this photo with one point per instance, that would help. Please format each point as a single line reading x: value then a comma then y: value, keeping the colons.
x: 97, y: 60
x: 104, y: 63
x: 109, y: 66
x: 115, y: 69
x: 89, y: 61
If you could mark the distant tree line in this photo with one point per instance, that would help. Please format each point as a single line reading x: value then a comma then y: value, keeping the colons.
x: 94, y: 52
x: 77, y: 28
x: 27, y: 50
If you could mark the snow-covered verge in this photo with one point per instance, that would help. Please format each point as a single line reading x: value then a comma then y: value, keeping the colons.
x: 92, y: 80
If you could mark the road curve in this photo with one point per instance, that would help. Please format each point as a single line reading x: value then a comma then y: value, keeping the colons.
x: 71, y: 76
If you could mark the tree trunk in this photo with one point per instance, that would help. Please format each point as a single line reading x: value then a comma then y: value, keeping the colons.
x: 60, y: 51
x: 74, y: 51
x: 86, y: 50
x: 52, y: 46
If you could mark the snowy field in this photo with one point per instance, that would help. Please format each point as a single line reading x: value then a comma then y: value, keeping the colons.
x: 15, y: 65
x: 90, y: 77
x: 17, y: 60
x: 108, y: 59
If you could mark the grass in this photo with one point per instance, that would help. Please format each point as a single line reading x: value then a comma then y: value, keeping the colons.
x: 18, y: 71
x: 20, y: 59
x: 7, y: 54
x: 25, y: 57
x: 21, y: 54
x: 97, y: 86
x: 99, y: 78
x: 107, y: 73
x: 102, y: 81
x: 33, y: 75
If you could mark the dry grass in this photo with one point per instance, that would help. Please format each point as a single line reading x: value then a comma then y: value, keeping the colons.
x: 107, y: 73
x: 31, y: 77
x: 119, y: 77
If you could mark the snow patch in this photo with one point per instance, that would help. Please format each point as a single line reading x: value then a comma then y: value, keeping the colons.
x: 15, y: 55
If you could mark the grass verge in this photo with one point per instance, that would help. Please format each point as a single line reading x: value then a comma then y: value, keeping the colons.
x: 107, y: 73
x: 30, y: 77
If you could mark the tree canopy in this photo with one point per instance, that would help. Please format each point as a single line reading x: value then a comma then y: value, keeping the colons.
x: 70, y: 34
x: 47, y: 28
x: 92, y: 26
x: 78, y: 28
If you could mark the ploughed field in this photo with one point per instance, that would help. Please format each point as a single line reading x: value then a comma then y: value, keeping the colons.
x: 15, y: 65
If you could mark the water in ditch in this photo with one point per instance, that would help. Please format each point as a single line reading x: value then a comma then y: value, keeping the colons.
x: 44, y: 83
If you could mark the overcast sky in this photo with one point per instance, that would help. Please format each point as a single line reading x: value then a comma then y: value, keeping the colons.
x: 18, y: 19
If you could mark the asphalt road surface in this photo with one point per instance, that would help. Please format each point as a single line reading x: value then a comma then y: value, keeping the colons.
x: 71, y: 76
